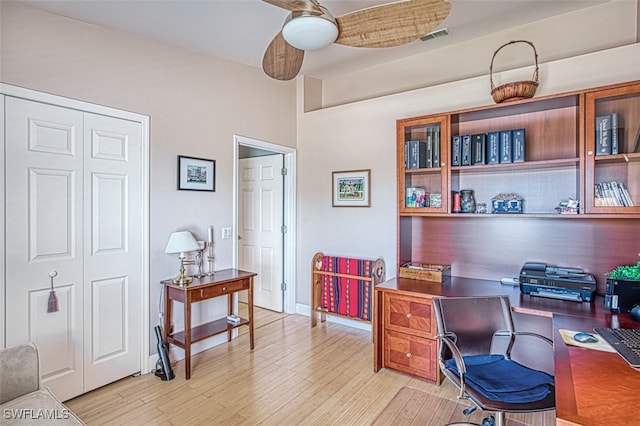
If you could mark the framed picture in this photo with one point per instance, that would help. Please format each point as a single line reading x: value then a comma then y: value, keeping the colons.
x: 196, y: 174
x: 352, y: 188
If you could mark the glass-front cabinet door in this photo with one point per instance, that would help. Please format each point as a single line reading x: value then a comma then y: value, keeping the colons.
x: 612, y: 134
x: 422, y: 156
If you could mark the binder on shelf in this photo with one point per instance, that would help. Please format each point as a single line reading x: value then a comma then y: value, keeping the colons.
x: 616, y: 131
x: 436, y: 146
x: 478, y: 148
x: 493, y: 147
x: 518, y: 143
x: 417, y: 154
x: 429, y: 151
x: 466, y: 150
x: 505, y: 146
x: 456, y: 150
x: 603, y: 134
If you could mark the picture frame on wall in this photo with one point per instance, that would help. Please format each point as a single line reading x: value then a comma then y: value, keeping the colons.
x: 351, y: 188
x: 196, y: 174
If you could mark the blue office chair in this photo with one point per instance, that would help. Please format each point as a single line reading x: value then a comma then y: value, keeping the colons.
x: 469, y: 329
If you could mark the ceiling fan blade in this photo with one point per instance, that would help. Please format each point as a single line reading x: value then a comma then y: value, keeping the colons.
x: 281, y: 60
x: 296, y: 5
x: 391, y: 24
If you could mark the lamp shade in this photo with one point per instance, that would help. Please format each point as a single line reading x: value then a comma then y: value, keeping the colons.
x: 308, y: 32
x: 181, y: 242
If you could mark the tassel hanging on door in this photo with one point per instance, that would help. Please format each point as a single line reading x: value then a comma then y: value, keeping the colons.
x: 52, y: 305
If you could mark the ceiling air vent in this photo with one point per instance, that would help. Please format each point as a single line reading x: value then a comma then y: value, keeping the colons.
x: 435, y: 34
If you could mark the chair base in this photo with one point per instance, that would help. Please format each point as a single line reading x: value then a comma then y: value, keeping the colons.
x: 498, y: 420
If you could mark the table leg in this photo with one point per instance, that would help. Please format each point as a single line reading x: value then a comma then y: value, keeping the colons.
x: 251, y: 312
x: 230, y: 311
x: 166, y: 327
x: 187, y: 335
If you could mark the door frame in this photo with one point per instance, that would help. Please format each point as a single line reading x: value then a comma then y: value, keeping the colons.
x: 289, y: 250
x: 33, y: 95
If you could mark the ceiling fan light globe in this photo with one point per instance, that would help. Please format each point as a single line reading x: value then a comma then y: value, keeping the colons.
x: 309, y: 32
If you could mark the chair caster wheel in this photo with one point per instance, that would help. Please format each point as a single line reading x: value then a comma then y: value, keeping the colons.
x: 489, y: 421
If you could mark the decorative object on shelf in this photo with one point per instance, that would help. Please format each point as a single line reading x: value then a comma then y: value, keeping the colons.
x: 467, y: 201
x: 481, y: 208
x: 351, y: 188
x: 425, y: 271
x: 417, y: 197
x: 196, y: 174
x: 199, y: 260
x: 182, y: 242
x: 210, y: 251
x: 435, y: 200
x: 456, y: 202
x: 515, y: 90
x: 507, y: 203
x: 568, y: 206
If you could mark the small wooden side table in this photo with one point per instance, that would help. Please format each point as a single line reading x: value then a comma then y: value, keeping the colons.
x: 222, y: 283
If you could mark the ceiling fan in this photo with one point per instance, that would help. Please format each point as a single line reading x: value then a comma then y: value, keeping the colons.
x: 311, y: 26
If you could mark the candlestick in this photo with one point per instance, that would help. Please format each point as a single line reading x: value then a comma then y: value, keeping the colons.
x: 210, y: 259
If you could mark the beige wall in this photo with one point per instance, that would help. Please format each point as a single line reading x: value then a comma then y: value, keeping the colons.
x: 612, y: 24
x: 196, y: 104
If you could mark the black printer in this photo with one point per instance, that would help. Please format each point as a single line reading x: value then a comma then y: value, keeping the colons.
x: 539, y: 279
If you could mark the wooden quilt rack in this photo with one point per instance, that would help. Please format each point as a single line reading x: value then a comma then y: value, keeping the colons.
x: 343, y: 286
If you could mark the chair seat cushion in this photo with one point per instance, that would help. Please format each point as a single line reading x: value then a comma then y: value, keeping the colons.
x: 503, y: 380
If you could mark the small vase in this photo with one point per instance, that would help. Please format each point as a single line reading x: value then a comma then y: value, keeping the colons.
x: 467, y: 201
x: 456, y: 202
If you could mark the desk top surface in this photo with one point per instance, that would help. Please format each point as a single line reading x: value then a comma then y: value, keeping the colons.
x: 592, y: 387
x: 219, y: 277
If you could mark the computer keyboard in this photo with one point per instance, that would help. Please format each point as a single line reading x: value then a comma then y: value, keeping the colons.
x: 624, y: 340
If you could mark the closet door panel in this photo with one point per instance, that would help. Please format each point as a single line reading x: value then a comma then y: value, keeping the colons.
x: 44, y: 166
x: 113, y: 251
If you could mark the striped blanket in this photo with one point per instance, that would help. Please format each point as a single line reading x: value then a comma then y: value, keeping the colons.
x: 347, y: 296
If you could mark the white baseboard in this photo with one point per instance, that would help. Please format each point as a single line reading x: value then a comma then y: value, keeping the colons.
x: 306, y: 311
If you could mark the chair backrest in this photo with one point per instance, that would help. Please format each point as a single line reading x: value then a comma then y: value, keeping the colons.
x: 473, y: 321
x: 19, y: 371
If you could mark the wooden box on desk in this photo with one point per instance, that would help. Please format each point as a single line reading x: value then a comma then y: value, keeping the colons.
x: 425, y: 272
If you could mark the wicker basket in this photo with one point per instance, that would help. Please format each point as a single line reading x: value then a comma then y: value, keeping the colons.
x: 516, y: 90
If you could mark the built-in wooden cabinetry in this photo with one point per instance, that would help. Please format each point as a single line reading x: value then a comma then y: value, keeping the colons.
x: 409, y: 335
x: 560, y: 164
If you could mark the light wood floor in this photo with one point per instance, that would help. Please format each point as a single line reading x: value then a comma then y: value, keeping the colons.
x: 295, y: 376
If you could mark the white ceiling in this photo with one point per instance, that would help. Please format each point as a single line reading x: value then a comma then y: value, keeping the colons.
x: 240, y: 30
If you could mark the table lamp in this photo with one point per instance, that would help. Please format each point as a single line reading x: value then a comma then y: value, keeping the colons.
x: 182, y: 242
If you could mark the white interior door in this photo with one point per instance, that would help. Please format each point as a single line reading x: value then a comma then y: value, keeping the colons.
x: 73, y: 182
x: 44, y: 163
x: 260, y: 214
x: 112, y: 255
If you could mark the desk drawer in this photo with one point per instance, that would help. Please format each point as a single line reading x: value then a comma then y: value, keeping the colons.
x: 411, y: 315
x: 219, y: 290
x: 411, y: 354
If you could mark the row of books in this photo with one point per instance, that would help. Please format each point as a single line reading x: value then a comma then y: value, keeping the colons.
x: 612, y: 194
x: 608, y: 131
x: 423, y: 154
x: 419, y: 197
x: 505, y: 146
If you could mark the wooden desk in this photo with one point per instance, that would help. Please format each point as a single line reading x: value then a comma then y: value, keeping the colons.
x: 592, y: 387
x: 223, y: 283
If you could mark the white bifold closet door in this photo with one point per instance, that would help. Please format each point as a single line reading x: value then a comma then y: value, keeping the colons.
x: 73, y: 208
